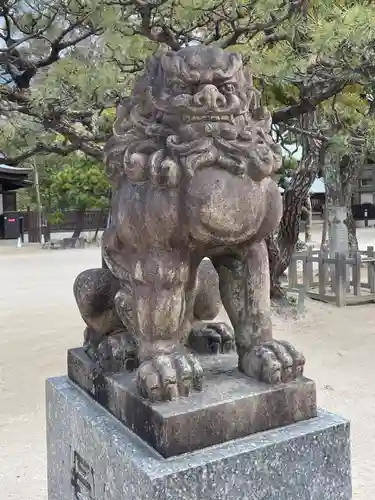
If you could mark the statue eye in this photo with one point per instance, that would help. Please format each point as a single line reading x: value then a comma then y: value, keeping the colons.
x: 229, y: 88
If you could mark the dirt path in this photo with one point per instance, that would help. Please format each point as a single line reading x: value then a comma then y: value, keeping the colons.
x: 39, y: 321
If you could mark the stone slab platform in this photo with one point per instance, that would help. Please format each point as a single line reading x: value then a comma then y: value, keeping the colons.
x: 92, y: 456
x: 230, y: 406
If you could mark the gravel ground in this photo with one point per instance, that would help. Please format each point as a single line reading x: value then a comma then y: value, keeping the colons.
x: 39, y: 322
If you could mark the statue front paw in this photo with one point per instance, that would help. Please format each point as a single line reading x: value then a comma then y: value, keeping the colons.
x: 168, y: 376
x: 164, y: 172
x: 160, y: 170
x: 211, y: 338
x: 273, y: 362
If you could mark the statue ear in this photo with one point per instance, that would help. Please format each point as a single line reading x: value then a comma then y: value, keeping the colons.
x: 253, y: 94
x: 170, y: 61
x: 152, y: 67
x: 235, y: 61
x: 122, y: 115
x: 263, y: 118
x: 248, y: 76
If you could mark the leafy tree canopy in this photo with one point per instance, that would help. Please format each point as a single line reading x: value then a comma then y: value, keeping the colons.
x: 65, y: 64
x: 79, y: 185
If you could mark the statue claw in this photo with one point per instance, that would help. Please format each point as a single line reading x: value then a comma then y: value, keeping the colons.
x: 273, y: 362
x: 168, y: 377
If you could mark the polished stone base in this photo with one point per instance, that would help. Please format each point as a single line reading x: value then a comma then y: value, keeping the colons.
x: 230, y: 405
x: 93, y: 456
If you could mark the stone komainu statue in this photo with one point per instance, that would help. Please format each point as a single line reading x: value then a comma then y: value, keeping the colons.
x: 190, y: 162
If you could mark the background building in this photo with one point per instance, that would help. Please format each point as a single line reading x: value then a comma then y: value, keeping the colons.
x: 364, y: 189
x: 11, y: 179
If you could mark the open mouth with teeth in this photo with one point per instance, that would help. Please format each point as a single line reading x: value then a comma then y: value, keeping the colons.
x: 210, y: 118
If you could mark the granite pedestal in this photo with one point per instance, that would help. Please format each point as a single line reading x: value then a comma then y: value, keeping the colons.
x: 93, y: 456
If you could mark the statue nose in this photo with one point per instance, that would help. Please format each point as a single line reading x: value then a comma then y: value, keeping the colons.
x: 210, y: 97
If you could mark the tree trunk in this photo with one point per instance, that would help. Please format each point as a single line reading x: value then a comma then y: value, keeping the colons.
x: 349, y: 169
x: 109, y: 222
x: 323, y: 242
x: 97, y: 226
x: 281, y: 247
x: 273, y: 259
x: 338, y: 230
x: 339, y: 174
x: 38, y: 201
x: 352, y: 231
x: 307, y: 211
x: 294, y: 198
x: 79, y: 223
x: 109, y: 216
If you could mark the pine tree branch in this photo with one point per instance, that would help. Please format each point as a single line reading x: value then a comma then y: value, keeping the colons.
x: 38, y: 149
x: 18, y: 64
x: 57, y: 119
x: 253, y: 29
x: 308, y: 104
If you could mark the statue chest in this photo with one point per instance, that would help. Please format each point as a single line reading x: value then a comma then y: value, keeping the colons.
x: 223, y: 208
x: 214, y: 208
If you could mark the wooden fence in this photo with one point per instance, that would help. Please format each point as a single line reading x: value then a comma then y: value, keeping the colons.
x: 340, y: 279
x: 94, y: 219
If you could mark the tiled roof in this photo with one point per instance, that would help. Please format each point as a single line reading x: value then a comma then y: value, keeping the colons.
x: 317, y: 187
x: 6, y: 169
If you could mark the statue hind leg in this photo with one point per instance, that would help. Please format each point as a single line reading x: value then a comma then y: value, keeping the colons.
x: 106, y: 341
x: 94, y: 291
x: 205, y: 335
